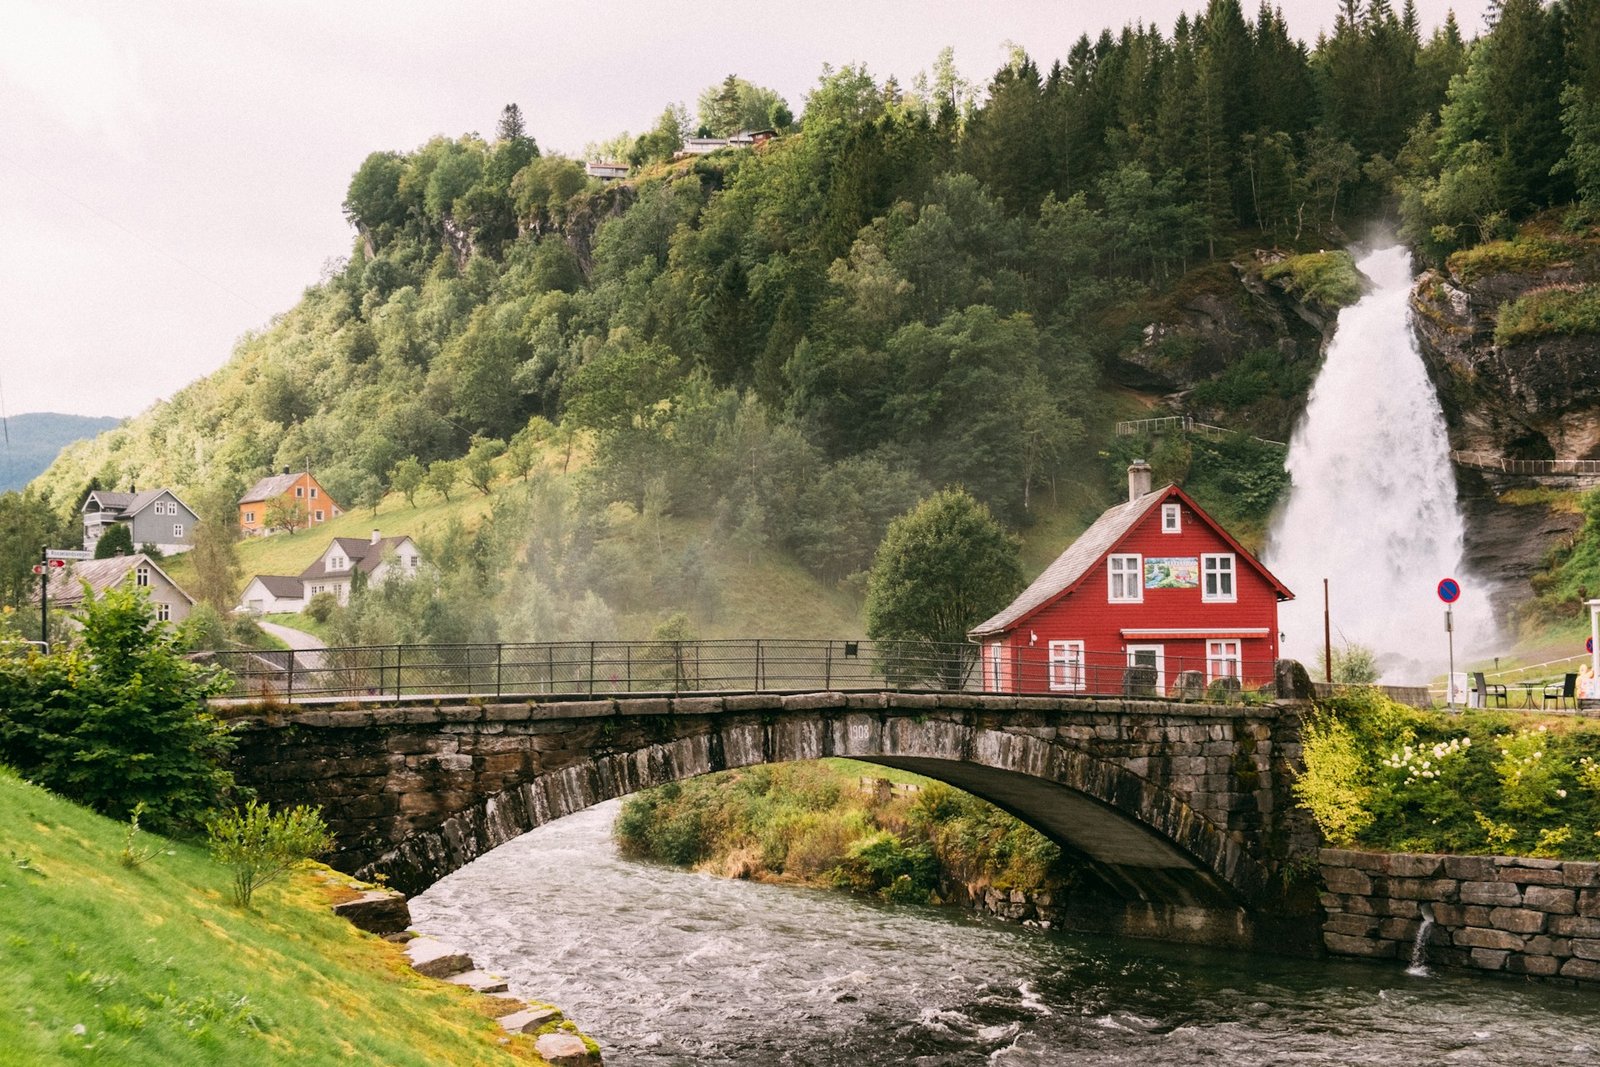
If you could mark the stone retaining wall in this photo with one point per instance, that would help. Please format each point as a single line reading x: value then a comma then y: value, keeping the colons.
x: 1490, y: 913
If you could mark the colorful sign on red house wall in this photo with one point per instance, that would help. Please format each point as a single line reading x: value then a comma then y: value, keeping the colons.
x: 1155, y: 598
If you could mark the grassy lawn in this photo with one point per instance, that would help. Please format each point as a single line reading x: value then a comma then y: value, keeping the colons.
x: 154, y: 965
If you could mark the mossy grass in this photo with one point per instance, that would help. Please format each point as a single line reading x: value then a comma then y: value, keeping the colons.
x: 1527, y: 253
x: 154, y: 965
x: 1565, y: 310
x: 1330, y: 277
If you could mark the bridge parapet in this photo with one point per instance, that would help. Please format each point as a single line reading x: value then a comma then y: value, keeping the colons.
x: 1180, y: 811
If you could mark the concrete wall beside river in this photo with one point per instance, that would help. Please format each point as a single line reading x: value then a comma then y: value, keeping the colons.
x: 1490, y: 913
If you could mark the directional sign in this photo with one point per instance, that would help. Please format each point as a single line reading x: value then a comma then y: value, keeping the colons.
x: 1449, y: 590
x: 38, y: 568
x: 67, y: 553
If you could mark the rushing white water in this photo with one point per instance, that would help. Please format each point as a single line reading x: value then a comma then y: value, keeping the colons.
x: 1372, y: 504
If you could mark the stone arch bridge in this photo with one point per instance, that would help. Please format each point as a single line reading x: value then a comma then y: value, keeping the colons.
x: 1180, y: 813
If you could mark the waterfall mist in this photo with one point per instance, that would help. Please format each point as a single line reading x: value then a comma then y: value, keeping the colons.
x: 1372, y: 502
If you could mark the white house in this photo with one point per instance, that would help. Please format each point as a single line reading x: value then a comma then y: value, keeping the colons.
x: 273, y: 594
x: 379, y: 558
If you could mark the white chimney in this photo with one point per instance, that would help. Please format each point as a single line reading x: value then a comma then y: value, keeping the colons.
x: 1139, y: 475
x: 376, y: 538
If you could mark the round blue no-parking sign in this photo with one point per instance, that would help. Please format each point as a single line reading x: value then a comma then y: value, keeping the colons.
x: 1449, y: 590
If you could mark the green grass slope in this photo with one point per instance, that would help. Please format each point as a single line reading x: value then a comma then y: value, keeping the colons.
x: 154, y: 965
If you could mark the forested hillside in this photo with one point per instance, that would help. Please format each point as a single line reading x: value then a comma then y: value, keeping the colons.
x: 910, y: 287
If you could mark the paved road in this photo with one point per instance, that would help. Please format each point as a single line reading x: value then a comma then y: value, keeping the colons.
x: 298, y: 640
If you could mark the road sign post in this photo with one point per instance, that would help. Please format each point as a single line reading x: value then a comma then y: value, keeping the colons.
x: 1450, y: 592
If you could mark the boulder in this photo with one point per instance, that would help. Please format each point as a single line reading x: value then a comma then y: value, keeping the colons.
x: 562, y: 1049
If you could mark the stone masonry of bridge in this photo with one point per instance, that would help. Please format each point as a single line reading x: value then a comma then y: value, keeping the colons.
x: 1180, y: 814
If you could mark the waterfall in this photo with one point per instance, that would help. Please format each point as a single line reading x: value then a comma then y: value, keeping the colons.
x: 1419, y: 947
x: 1372, y: 498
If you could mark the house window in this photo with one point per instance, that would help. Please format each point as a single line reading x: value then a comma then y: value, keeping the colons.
x: 996, y: 650
x: 177, y: 530
x: 336, y: 563
x: 319, y: 512
x: 1222, y: 660
x: 313, y: 492
x: 1066, y: 665
x: 411, y: 563
x: 249, y: 516
x: 163, y: 612
x: 1217, y: 578
x: 1171, y: 518
x: 141, y: 576
x: 299, y: 490
x: 1125, y: 573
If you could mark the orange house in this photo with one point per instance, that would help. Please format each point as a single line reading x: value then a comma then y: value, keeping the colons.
x: 267, y: 499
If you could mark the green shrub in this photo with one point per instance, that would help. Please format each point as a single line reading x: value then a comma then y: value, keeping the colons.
x: 1330, y: 277
x: 117, y: 719
x: 321, y: 606
x: 1521, y: 255
x: 1543, y: 312
x: 260, y: 845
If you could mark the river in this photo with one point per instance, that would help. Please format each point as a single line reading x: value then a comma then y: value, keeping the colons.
x: 667, y: 967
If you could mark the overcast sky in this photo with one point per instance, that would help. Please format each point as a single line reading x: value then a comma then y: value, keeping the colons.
x: 171, y: 172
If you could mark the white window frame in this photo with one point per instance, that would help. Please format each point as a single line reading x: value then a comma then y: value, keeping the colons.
x: 141, y: 576
x: 1224, y: 658
x: 1171, y: 519
x: 995, y: 649
x: 164, y: 612
x: 1161, y: 663
x: 1219, y: 566
x: 249, y: 516
x: 1066, y: 666
x: 313, y: 492
x: 336, y: 563
x: 1117, y: 566
x: 177, y: 529
x: 319, y: 515
x: 299, y: 492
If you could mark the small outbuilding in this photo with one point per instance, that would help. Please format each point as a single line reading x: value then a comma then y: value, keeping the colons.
x: 1155, y: 598
x: 273, y: 594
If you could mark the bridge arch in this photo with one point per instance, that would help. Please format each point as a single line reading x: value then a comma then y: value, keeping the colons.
x: 415, y: 793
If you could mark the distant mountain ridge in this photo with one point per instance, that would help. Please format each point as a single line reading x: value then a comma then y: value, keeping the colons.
x: 32, y: 441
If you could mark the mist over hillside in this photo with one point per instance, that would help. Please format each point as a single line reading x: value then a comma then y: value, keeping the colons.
x: 33, y: 440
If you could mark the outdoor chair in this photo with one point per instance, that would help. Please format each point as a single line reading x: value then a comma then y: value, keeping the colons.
x: 1486, y: 691
x: 1562, y: 692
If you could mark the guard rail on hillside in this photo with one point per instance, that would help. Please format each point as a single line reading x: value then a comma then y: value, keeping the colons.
x: 579, y: 668
x: 1185, y: 424
x: 1484, y: 461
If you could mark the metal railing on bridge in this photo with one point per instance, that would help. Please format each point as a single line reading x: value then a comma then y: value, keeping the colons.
x: 582, y: 668
x: 1485, y: 461
x: 1185, y: 424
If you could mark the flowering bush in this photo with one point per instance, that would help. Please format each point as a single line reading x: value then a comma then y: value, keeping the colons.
x: 1380, y: 775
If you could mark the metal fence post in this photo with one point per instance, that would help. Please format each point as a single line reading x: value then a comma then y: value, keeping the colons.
x: 399, y: 656
x: 499, y: 667
x: 760, y: 684
x: 827, y: 667
x: 290, y: 693
x: 591, y: 668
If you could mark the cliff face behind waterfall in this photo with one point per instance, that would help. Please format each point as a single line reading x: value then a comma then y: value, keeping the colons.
x: 1510, y: 333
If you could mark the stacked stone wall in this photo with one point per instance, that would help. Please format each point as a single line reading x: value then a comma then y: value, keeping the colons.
x: 1509, y: 914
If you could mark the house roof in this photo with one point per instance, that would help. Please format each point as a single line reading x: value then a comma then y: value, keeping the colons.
x: 364, y: 555
x: 282, y: 586
x: 1085, y: 554
x: 130, y: 503
x: 66, y: 583
x: 276, y: 485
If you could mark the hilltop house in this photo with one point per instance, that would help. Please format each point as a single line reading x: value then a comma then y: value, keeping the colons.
x: 154, y: 517
x: 605, y: 169
x: 66, y: 584
x: 300, y: 491
x: 1155, y: 597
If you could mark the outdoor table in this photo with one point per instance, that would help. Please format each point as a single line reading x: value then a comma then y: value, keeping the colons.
x: 1528, y: 689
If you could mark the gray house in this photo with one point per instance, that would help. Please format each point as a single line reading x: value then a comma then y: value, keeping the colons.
x: 66, y: 584
x: 155, y: 517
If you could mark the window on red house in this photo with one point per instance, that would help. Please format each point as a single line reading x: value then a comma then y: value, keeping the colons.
x: 1217, y: 574
x: 1125, y: 572
x: 1066, y: 665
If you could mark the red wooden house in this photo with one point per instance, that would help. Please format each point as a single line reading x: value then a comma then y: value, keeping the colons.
x: 1154, y: 584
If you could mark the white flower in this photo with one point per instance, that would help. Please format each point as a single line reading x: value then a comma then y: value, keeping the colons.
x: 1561, y: 793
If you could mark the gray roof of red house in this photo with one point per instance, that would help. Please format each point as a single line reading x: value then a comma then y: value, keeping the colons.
x: 282, y: 586
x: 1112, y: 525
x: 364, y: 555
x: 66, y: 583
x: 270, y: 488
x: 1083, y: 554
